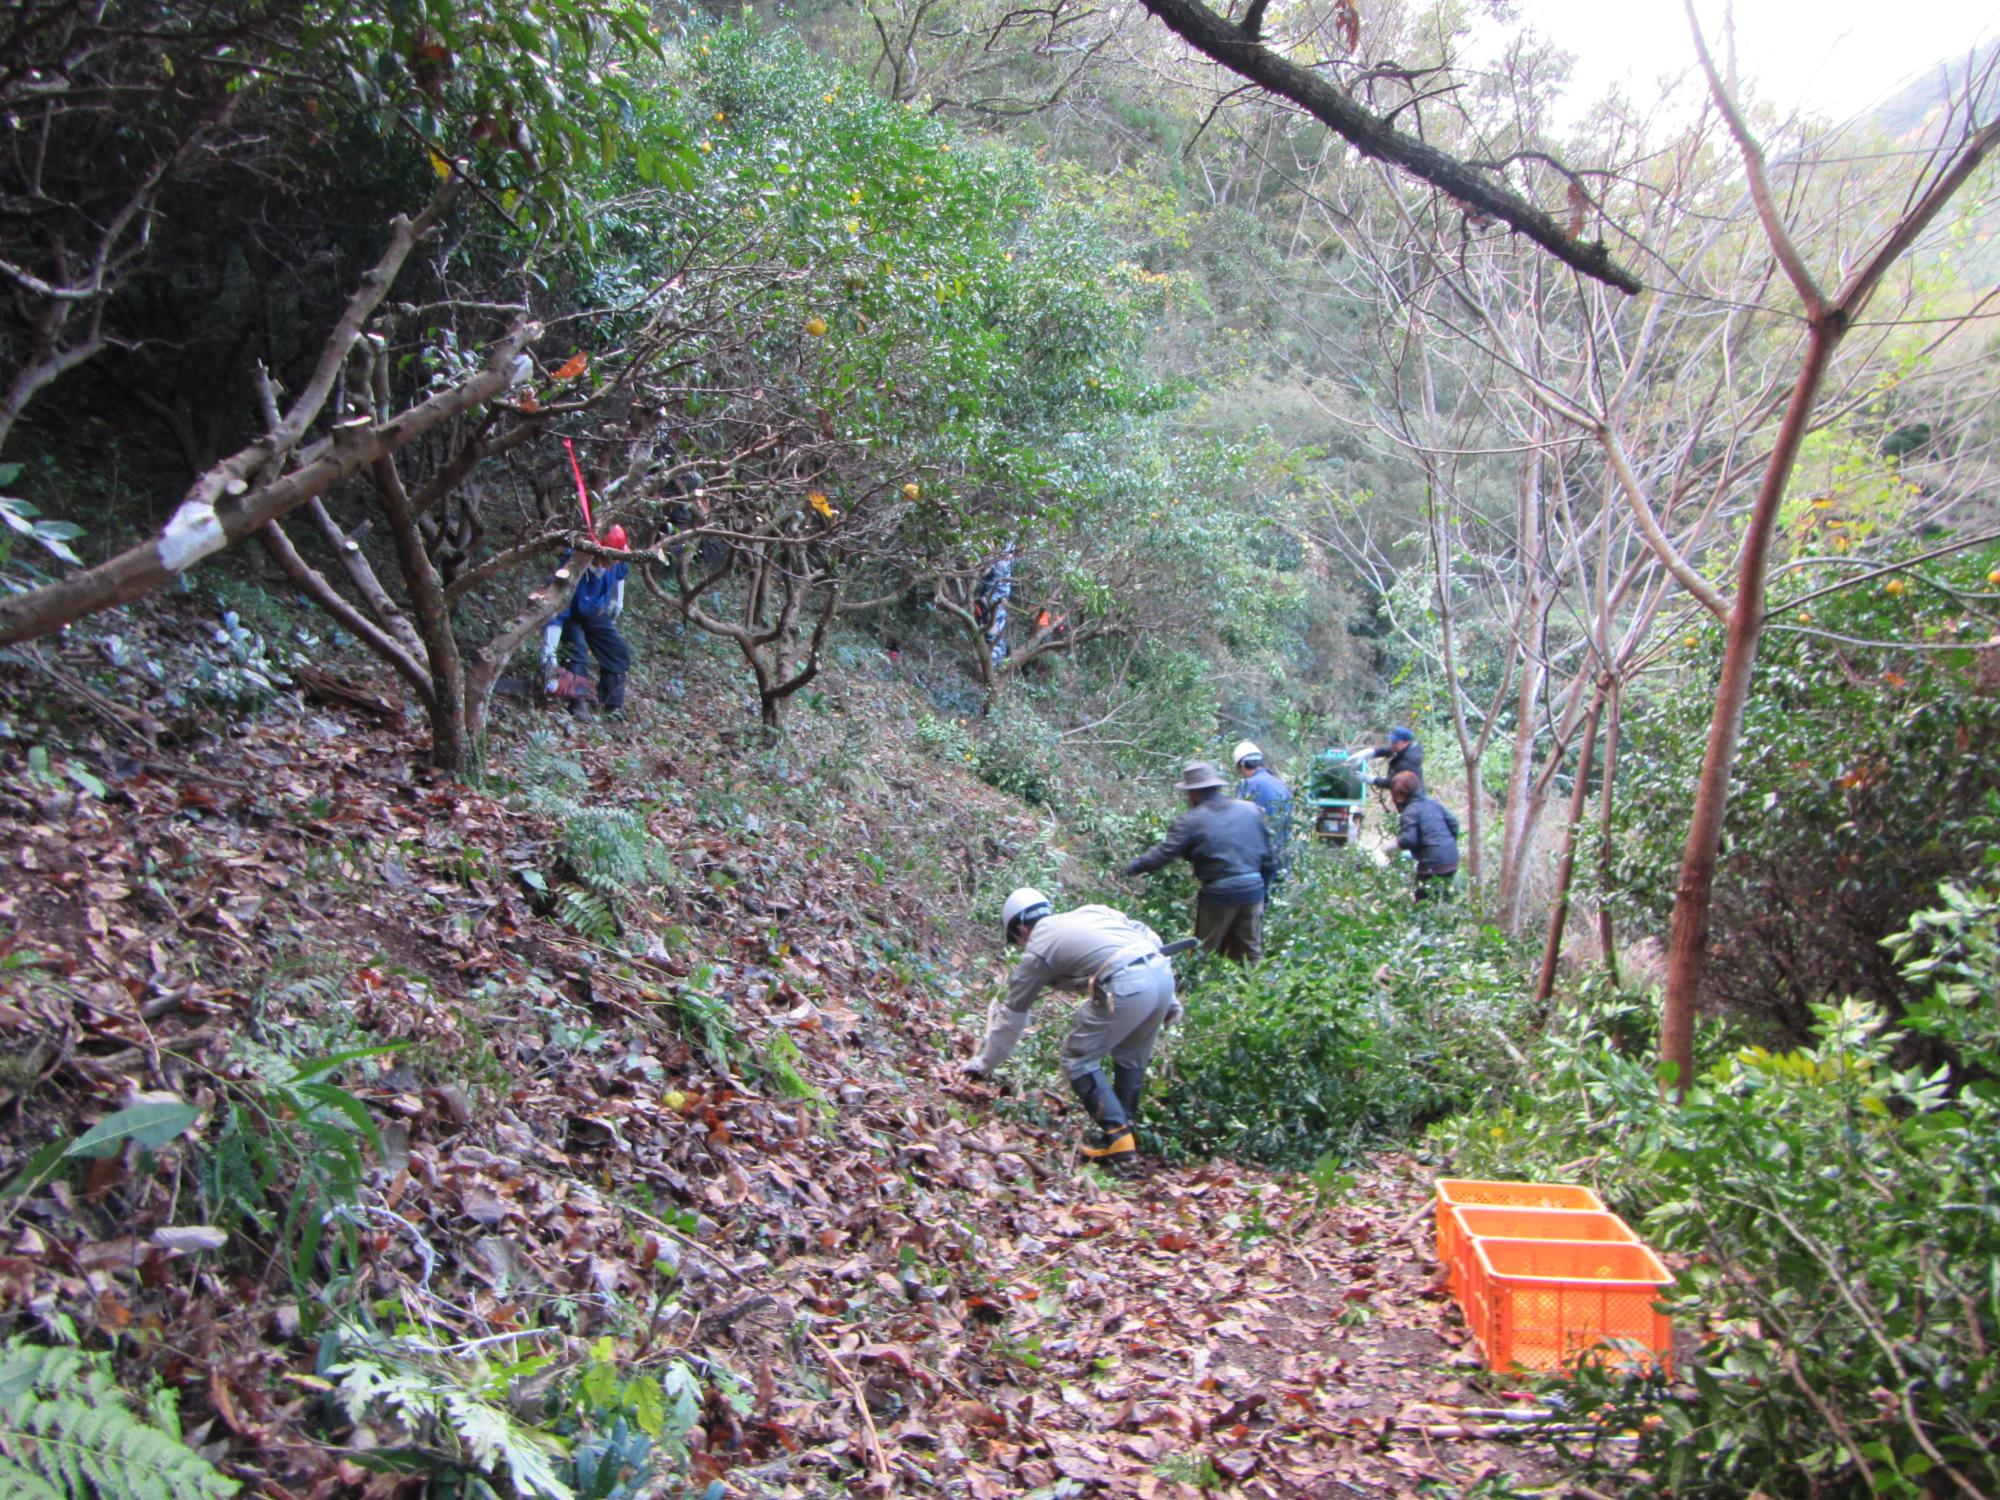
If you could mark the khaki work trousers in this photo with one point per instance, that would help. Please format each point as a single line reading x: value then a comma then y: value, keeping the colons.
x: 1121, y: 1018
x: 1232, y: 931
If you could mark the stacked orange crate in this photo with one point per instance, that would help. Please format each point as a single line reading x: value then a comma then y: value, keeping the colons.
x: 1457, y: 1192
x: 1486, y: 1222
x: 1545, y: 1274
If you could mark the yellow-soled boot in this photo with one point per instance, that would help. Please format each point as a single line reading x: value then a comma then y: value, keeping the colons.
x: 1112, y: 1149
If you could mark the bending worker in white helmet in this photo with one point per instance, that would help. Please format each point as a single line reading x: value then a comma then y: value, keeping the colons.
x: 1129, y: 987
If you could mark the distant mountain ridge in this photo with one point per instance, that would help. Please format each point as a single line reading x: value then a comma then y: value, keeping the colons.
x: 1923, y: 100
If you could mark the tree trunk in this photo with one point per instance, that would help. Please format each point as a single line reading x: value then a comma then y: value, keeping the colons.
x: 450, y: 745
x: 1468, y: 751
x: 1607, y: 938
x: 1545, y: 983
x: 1516, y: 826
x: 1687, y: 943
x: 1827, y: 323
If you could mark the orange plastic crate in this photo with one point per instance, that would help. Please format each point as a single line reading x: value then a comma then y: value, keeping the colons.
x: 1494, y: 1221
x: 1543, y: 1304
x: 1462, y: 1192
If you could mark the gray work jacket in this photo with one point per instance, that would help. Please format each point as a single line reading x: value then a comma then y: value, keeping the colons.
x: 1066, y: 951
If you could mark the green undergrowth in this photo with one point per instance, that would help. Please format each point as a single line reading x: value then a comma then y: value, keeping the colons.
x: 1368, y: 1017
x: 1834, y: 1209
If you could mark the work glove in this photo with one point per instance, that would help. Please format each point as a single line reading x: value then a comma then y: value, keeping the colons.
x: 549, y: 683
x: 972, y: 1067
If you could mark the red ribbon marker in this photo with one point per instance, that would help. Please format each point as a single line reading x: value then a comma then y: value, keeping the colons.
x: 582, y: 494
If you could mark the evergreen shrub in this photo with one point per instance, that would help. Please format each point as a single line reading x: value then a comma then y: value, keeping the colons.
x: 1369, y: 1016
x: 1834, y: 1216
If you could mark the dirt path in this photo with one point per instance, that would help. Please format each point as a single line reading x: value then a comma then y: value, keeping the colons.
x: 1209, y: 1328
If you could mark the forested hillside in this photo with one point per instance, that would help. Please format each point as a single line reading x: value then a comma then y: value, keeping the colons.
x: 564, y: 561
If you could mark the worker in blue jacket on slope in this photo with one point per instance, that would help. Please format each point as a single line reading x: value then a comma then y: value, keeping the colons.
x: 1429, y: 833
x: 1404, y: 753
x: 590, y: 619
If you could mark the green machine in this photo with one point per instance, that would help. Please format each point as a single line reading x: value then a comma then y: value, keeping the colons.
x: 1338, y: 790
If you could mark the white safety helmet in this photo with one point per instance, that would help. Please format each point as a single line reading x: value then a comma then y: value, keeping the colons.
x: 1025, y: 906
x: 1247, y: 751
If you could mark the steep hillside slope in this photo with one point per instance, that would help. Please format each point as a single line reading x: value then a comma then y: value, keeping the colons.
x: 596, y: 1130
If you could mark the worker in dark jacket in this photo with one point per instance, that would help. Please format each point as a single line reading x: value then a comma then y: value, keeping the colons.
x: 1230, y: 848
x: 590, y: 619
x: 1429, y: 832
x: 1404, y: 753
x: 1263, y: 786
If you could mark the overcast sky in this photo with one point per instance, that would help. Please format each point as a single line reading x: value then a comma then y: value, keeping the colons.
x: 1834, y: 57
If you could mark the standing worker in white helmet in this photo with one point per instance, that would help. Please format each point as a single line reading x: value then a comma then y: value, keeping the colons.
x: 1263, y: 786
x: 1128, y: 984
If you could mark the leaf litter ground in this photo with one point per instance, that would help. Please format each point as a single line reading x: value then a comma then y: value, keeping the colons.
x: 922, y: 1298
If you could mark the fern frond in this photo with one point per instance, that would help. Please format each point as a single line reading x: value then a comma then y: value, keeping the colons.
x: 493, y: 1438
x: 544, y: 766
x: 488, y: 1436
x: 588, y: 915
x: 19, y: 1483
x: 67, y: 1430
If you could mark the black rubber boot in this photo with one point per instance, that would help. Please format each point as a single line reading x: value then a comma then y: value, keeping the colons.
x: 1110, y: 1145
x: 1098, y: 1100
x: 1129, y: 1083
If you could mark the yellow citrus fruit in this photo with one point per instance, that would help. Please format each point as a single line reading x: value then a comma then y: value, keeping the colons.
x: 720, y: 117
x: 816, y: 326
x: 854, y: 226
x: 912, y: 490
x: 674, y: 1099
x: 855, y: 196
x: 1691, y: 640
x: 1994, y: 578
x: 1893, y: 586
x: 706, y: 147
x: 1805, y: 617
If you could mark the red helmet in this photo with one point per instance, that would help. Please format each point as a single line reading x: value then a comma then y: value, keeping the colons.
x: 615, y: 537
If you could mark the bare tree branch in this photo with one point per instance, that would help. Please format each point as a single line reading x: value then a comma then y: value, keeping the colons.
x: 1215, y: 38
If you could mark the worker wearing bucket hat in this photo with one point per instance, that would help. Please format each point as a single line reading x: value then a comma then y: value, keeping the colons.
x: 1233, y: 857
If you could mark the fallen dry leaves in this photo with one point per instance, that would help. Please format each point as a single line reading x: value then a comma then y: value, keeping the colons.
x: 921, y: 1299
